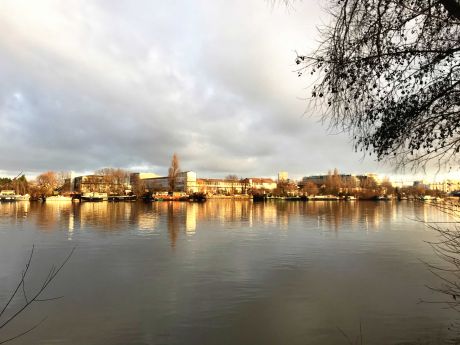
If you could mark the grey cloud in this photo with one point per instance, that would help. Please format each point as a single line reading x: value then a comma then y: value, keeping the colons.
x: 116, y: 83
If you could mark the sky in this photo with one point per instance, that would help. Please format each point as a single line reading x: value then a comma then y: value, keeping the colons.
x: 118, y: 83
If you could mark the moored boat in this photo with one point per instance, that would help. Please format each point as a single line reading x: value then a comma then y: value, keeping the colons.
x: 122, y: 197
x: 7, y: 195
x: 292, y: 198
x: 382, y: 198
x: 94, y: 196
x: 58, y: 198
x: 197, y: 197
x: 10, y: 195
x: 324, y: 198
x: 259, y: 197
x: 25, y: 197
x: 170, y: 196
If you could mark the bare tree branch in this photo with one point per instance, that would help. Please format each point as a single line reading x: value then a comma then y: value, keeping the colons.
x: 35, y: 297
x: 389, y: 74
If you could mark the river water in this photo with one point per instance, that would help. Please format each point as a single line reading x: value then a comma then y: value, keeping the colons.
x: 224, y: 272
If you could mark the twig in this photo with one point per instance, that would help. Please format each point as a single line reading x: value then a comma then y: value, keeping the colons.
x: 36, y: 297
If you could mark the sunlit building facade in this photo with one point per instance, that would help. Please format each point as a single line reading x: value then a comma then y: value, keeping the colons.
x: 220, y: 186
x: 185, y: 182
x: 94, y: 183
x: 446, y: 186
x: 258, y: 183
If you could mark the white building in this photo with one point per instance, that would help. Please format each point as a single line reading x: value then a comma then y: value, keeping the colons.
x: 446, y: 186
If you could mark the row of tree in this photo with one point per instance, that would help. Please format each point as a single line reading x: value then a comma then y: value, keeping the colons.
x: 18, y: 184
x: 45, y: 184
x: 115, y: 181
x: 51, y: 183
x: 337, y: 184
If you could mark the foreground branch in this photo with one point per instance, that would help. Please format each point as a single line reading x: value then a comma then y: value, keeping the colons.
x: 33, y: 298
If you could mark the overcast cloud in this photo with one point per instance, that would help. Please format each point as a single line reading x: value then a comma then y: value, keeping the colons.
x: 91, y: 84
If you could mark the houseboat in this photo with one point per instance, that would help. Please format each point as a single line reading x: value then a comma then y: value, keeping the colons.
x: 7, y: 195
x: 10, y: 195
x: 94, y: 196
x: 122, y: 197
x: 324, y: 198
x: 58, y: 198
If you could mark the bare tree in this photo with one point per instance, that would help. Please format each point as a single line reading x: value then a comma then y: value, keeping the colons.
x: 447, y: 248
x: 5, y: 183
x: 233, y: 180
x: 333, y: 183
x: 386, y: 186
x: 140, y: 188
x: 173, y: 173
x: 286, y: 188
x: 20, y: 185
x: 310, y: 188
x: 47, y: 183
x: 29, y: 298
x: 93, y: 183
x: 368, y: 182
x: 389, y: 74
x: 115, y: 179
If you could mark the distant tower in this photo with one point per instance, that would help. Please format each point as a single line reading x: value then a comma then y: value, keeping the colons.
x: 282, y: 176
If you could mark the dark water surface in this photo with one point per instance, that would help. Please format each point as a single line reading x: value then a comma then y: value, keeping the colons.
x: 224, y: 272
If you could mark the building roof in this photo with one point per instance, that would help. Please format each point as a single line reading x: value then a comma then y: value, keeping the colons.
x: 216, y: 180
x: 261, y: 180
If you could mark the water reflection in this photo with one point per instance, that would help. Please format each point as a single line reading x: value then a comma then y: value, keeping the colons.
x: 186, y: 218
x: 14, y: 212
x: 221, y: 271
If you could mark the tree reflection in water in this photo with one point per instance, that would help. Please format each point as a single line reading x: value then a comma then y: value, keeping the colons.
x: 185, y: 218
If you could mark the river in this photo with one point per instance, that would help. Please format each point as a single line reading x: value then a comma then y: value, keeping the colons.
x: 224, y: 272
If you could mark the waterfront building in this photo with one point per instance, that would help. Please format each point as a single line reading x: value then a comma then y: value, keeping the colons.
x: 221, y: 186
x: 369, y: 181
x: 230, y: 186
x: 349, y: 183
x: 421, y: 184
x: 401, y: 183
x: 346, y: 179
x: 259, y: 183
x: 374, y: 177
x: 287, y: 188
x: 446, y: 186
x: 185, y: 182
x: 137, y: 181
x: 90, y: 183
x: 99, y: 184
x: 142, y: 176
x: 189, y: 183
